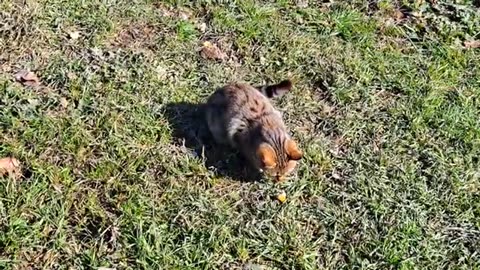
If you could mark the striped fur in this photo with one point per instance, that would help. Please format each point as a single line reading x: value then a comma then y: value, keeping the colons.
x: 243, y: 117
x: 276, y: 90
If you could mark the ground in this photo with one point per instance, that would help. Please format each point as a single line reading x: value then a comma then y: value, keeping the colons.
x: 385, y: 106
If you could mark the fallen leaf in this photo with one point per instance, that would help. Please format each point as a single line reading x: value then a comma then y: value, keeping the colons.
x: 202, y: 27
x: 33, y: 102
x: 327, y: 109
x: 282, y: 197
x: 64, y: 102
x: 27, y: 78
x: 263, y: 60
x: 302, y: 3
x: 254, y: 266
x: 398, y: 15
x: 164, y: 10
x: 71, y: 75
x: 183, y: 15
x: 74, y: 35
x: 96, y: 52
x: 211, y: 51
x: 417, y: 14
x: 58, y: 187
x: 471, y: 44
x: 10, y: 166
x: 336, y: 176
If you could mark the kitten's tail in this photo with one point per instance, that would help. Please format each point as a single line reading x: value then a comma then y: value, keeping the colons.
x: 276, y: 90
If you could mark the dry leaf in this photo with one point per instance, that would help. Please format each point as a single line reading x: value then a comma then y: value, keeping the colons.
x: 10, y: 166
x: 336, y: 176
x: 74, y: 35
x: 211, y: 51
x: 254, y: 266
x: 64, y: 102
x: 302, y: 3
x: 164, y: 10
x: 282, y: 197
x: 71, y: 75
x: 162, y: 72
x: 27, y: 78
x: 96, y: 52
x: 183, y: 15
x: 33, y: 102
x: 58, y: 187
x: 472, y: 44
x: 202, y: 27
x: 398, y: 15
x: 263, y: 60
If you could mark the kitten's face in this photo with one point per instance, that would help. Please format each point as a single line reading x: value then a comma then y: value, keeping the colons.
x: 278, y: 164
x: 281, y: 172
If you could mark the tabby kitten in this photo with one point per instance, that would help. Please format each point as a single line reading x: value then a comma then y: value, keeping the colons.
x: 243, y: 117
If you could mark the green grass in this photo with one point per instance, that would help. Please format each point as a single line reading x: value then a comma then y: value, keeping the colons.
x: 386, y: 110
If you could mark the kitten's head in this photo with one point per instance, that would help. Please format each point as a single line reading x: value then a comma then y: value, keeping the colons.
x: 278, y: 159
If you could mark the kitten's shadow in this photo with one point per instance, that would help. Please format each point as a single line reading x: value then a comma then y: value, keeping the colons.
x: 190, y: 128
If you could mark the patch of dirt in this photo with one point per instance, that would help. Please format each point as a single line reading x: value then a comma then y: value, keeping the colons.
x: 18, y: 26
x: 22, y: 42
x: 222, y: 49
x: 168, y: 11
x: 136, y: 36
x: 212, y: 51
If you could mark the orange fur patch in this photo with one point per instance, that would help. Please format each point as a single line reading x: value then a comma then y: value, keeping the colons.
x: 292, y: 150
x: 267, y: 155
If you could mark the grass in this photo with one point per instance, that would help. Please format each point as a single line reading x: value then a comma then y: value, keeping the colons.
x: 385, y: 107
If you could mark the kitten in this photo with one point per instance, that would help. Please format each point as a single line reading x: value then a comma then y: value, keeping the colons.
x: 243, y: 117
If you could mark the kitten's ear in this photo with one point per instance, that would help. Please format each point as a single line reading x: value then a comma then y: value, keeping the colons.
x: 267, y: 156
x: 292, y: 150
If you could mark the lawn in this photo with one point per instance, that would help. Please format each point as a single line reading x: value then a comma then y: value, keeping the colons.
x: 117, y: 173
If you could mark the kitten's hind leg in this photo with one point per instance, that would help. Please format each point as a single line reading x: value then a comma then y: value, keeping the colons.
x: 216, y: 127
x: 219, y: 135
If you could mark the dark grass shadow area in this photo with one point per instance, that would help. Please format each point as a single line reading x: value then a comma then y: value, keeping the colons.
x: 190, y: 128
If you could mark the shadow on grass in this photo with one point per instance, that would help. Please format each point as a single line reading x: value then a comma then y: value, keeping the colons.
x: 190, y: 128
